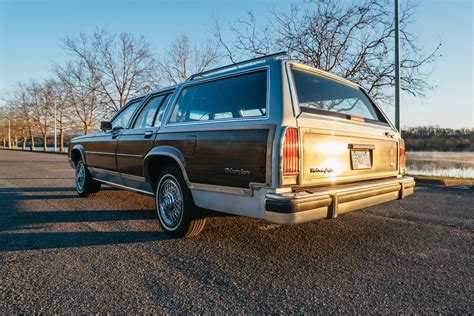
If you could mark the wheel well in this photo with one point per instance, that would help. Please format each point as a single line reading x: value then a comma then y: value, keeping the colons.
x: 76, y: 156
x: 156, y: 165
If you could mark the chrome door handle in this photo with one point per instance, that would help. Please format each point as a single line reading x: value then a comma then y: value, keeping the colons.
x: 390, y: 134
x: 148, y: 133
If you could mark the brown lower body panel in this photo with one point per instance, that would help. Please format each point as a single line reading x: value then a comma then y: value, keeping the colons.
x: 328, y: 202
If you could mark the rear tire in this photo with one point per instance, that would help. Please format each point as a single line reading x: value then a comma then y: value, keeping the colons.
x: 85, y: 184
x: 175, y: 206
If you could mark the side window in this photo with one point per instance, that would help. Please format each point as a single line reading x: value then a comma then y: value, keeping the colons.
x: 161, y: 112
x: 121, y: 120
x: 147, y: 115
x: 231, y: 98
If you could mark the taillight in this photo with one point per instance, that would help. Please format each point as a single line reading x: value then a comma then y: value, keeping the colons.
x: 290, y: 159
x: 402, y: 156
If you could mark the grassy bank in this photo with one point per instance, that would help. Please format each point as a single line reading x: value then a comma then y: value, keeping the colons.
x: 443, y: 181
x: 424, y: 177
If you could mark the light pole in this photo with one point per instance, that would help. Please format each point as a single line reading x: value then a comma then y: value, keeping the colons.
x: 9, y: 136
x: 397, y: 67
x: 3, y: 134
x: 55, y: 129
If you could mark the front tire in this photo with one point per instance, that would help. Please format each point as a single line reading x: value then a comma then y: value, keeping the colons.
x: 175, y: 206
x: 85, y: 184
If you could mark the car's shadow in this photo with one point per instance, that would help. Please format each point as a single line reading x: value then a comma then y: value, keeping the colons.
x: 37, y: 228
x: 124, y: 218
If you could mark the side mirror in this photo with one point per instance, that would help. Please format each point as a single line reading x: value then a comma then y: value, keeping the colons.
x: 105, y: 126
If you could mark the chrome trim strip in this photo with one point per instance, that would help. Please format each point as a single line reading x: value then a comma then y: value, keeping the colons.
x: 110, y: 172
x: 99, y: 153
x: 117, y: 174
x: 219, y: 189
x: 123, y: 187
x: 133, y: 177
x: 130, y: 155
x: 140, y: 131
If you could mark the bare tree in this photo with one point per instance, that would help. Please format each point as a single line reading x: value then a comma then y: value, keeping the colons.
x: 81, y: 87
x: 183, y: 58
x: 122, y: 64
x: 11, y: 128
x: 353, y: 40
x: 18, y: 130
x: 19, y: 105
x: 64, y: 111
x: 41, y: 105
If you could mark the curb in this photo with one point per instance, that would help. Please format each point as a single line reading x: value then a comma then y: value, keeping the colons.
x: 37, y: 151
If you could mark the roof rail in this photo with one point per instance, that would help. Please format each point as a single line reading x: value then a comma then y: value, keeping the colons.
x: 266, y: 57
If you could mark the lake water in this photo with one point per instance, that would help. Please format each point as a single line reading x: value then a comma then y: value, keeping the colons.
x: 435, y: 163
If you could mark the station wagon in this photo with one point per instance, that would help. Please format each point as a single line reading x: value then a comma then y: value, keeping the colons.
x: 267, y: 138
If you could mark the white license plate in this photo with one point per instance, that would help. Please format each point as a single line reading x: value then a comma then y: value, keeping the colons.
x: 361, y: 159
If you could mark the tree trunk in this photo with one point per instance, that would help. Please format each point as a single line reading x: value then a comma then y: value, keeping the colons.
x: 32, y: 138
x: 25, y: 138
x: 45, y: 142
x: 86, y: 128
x: 61, y: 138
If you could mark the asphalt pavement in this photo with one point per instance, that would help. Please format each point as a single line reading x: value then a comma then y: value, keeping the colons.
x: 60, y: 253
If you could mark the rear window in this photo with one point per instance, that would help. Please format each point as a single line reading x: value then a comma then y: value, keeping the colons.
x: 321, y: 95
x: 238, y: 97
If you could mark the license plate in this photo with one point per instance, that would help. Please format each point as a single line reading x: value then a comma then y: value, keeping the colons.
x: 361, y: 159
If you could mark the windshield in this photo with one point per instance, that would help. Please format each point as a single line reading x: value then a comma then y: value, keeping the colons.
x: 321, y: 95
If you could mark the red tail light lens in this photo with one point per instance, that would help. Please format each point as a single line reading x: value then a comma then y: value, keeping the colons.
x: 290, y: 157
x: 402, y: 156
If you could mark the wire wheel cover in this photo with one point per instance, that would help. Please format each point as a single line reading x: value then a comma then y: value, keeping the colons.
x: 170, y: 202
x: 80, y: 177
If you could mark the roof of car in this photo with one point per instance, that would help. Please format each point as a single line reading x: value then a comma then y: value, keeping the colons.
x: 248, y: 65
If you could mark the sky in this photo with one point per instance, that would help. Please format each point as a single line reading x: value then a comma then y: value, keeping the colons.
x: 31, y: 33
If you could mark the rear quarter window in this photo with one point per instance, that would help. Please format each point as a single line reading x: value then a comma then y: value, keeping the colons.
x: 238, y: 97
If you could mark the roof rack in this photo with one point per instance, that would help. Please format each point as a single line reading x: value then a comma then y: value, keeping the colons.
x: 266, y: 57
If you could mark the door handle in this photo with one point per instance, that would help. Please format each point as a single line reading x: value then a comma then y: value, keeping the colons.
x: 148, y: 134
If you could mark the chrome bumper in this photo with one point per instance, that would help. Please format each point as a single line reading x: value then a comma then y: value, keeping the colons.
x: 327, y: 202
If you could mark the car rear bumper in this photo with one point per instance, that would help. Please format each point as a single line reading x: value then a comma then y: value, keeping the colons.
x: 327, y: 202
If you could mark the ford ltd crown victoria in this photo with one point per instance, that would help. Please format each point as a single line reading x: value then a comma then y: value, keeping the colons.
x: 267, y: 138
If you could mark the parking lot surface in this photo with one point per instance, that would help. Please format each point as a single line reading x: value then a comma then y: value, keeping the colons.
x: 62, y: 253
